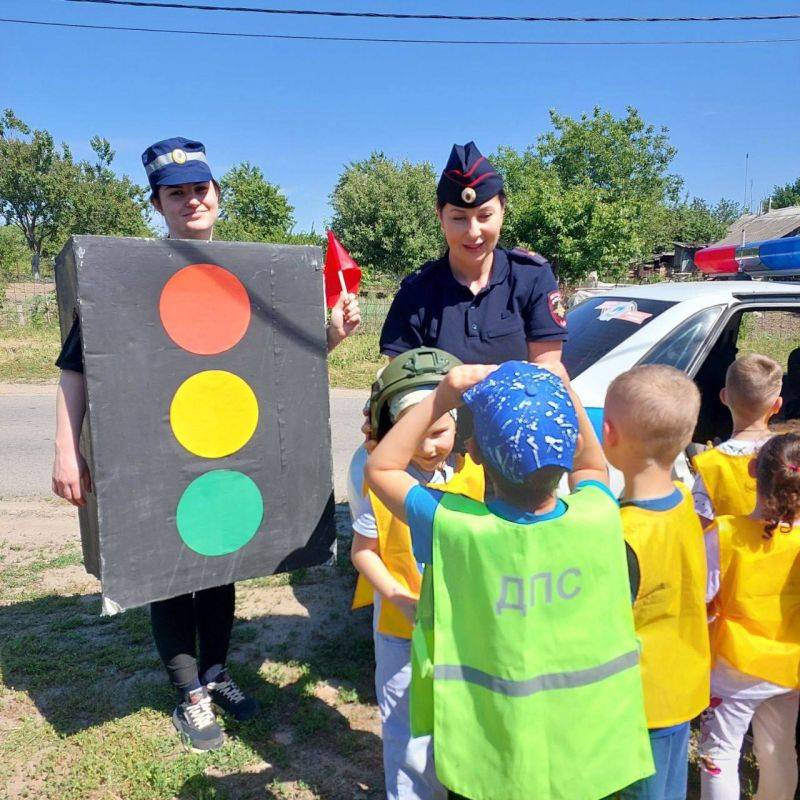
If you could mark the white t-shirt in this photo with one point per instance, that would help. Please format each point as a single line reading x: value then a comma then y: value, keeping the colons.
x: 360, y: 506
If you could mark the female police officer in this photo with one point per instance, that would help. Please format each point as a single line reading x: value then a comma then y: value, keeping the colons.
x: 187, y: 196
x: 483, y: 304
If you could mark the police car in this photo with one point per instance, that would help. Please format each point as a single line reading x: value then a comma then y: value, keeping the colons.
x: 698, y: 327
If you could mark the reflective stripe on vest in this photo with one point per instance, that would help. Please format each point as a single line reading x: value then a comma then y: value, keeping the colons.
x: 757, y: 628
x: 524, y: 630
x: 727, y: 481
x: 670, y: 610
x: 394, y: 547
x: 541, y: 683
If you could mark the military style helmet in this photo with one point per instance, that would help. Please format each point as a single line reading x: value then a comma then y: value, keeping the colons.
x: 421, y: 366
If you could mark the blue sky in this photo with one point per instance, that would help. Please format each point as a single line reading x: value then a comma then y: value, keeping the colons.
x: 303, y: 110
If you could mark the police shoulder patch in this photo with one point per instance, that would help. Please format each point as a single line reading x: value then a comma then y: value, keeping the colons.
x: 529, y: 256
x: 557, y: 309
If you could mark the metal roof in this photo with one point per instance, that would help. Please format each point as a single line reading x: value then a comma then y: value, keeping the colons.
x: 757, y: 227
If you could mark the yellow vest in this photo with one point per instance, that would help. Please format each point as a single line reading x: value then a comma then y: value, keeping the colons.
x: 757, y: 629
x: 394, y: 548
x: 727, y: 481
x: 670, y: 610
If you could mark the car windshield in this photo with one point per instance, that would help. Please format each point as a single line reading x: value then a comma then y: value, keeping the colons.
x: 599, y: 324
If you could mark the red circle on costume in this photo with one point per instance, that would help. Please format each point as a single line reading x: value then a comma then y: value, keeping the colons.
x: 204, y: 309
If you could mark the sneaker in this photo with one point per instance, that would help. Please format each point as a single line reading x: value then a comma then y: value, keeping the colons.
x: 195, y: 721
x: 228, y: 697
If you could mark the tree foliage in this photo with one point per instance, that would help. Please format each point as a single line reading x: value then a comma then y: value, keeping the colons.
x: 696, y: 221
x: 384, y: 214
x: 592, y: 194
x: 48, y: 195
x: 252, y: 209
x: 786, y: 195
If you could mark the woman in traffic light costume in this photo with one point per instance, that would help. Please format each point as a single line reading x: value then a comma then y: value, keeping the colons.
x: 191, y: 631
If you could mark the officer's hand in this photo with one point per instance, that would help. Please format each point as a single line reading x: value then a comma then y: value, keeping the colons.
x: 71, y: 478
x: 406, y: 604
x: 557, y: 368
x: 345, y: 319
x: 458, y: 380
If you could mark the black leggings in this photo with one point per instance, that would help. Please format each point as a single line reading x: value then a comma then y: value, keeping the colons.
x: 182, y: 625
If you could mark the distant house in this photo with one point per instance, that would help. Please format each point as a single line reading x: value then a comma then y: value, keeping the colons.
x: 775, y: 224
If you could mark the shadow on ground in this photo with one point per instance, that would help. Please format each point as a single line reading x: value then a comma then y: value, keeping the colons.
x: 297, y: 648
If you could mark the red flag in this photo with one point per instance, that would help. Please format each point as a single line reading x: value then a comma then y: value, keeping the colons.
x: 341, y: 272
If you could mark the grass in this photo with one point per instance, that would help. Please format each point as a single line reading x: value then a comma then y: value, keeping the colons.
x: 28, y: 353
x: 85, y: 707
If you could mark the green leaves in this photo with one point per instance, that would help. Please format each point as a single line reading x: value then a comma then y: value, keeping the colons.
x: 48, y: 196
x: 384, y: 213
x: 786, y: 195
x: 252, y: 209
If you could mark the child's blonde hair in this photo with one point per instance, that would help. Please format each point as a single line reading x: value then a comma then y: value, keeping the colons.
x: 752, y: 384
x: 656, y: 408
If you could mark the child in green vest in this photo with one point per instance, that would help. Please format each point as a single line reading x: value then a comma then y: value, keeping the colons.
x: 526, y: 665
x: 649, y: 417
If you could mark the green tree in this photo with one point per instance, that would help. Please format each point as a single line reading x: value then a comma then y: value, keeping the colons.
x: 252, y: 209
x: 696, y: 221
x: 37, y: 181
x: 592, y: 194
x: 786, y: 195
x: 48, y: 196
x: 104, y: 204
x: 383, y: 213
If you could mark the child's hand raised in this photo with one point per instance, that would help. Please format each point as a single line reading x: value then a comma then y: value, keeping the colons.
x: 458, y: 380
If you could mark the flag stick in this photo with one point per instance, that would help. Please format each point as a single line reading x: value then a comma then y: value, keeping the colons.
x: 342, y: 283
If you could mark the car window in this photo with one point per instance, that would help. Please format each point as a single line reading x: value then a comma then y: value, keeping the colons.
x: 599, y: 324
x: 683, y: 344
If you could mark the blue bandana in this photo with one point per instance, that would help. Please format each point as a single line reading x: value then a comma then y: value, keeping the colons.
x: 524, y: 420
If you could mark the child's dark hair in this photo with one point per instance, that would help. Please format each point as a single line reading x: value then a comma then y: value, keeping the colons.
x: 536, y: 489
x: 778, y: 480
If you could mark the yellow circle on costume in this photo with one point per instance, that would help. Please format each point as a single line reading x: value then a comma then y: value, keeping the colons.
x: 214, y: 413
x: 178, y: 156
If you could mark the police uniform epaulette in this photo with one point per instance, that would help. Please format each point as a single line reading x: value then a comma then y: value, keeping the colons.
x: 522, y: 255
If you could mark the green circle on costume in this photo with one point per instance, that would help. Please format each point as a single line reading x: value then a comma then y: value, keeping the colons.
x: 219, y: 512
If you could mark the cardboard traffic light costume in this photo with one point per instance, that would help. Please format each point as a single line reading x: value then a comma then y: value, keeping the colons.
x: 207, y: 425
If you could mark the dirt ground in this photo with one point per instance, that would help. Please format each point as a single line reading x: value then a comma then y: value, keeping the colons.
x: 81, y: 693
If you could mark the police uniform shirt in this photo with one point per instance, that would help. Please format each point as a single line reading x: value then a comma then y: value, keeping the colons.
x: 71, y: 356
x: 521, y: 303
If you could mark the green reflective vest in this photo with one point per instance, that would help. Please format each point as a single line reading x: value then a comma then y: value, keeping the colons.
x: 525, y: 663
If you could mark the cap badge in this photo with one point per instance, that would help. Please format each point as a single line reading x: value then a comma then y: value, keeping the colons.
x: 468, y: 194
x: 178, y: 156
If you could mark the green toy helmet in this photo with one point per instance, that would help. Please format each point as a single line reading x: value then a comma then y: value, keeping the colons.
x: 421, y: 366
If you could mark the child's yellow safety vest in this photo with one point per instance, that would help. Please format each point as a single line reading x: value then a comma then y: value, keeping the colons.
x: 394, y: 548
x: 670, y: 610
x: 727, y: 481
x: 757, y: 628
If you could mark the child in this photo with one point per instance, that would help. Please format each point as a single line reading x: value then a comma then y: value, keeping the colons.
x: 533, y: 687
x: 755, y: 638
x: 650, y: 414
x: 381, y: 552
x: 753, y: 394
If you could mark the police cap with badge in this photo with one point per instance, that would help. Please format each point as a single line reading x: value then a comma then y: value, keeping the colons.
x: 172, y: 162
x: 468, y: 179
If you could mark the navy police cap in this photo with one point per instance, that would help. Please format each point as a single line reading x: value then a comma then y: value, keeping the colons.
x: 171, y: 162
x: 468, y: 179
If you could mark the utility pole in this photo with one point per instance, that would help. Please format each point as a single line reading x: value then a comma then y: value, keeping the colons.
x: 746, y: 176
